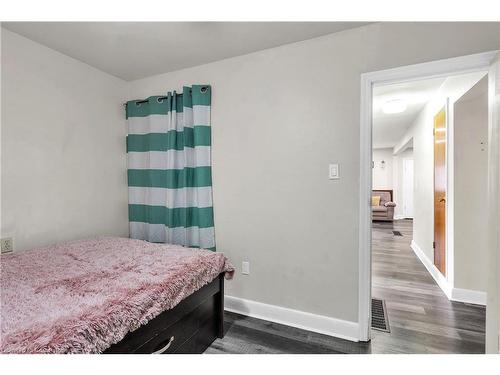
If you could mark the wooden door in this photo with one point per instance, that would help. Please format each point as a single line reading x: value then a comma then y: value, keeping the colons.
x: 440, y: 191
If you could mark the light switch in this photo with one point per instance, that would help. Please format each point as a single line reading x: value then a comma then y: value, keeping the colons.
x: 333, y: 171
x: 245, y: 268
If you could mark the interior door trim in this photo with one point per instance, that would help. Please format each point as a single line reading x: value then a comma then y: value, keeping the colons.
x: 432, y: 69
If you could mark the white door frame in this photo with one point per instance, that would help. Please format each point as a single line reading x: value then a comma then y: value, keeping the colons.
x: 434, y: 69
x: 404, y: 182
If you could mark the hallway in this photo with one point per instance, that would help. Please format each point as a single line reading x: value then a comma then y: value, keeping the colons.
x: 421, y: 318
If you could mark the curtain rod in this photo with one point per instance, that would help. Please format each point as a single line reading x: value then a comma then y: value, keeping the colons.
x: 158, y: 98
x: 145, y: 100
x: 203, y: 89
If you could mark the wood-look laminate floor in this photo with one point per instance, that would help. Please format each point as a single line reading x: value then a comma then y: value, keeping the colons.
x: 256, y: 336
x: 421, y: 318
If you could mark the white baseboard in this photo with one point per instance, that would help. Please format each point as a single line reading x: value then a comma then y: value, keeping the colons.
x: 453, y: 294
x: 468, y: 296
x: 435, y: 273
x: 311, y: 322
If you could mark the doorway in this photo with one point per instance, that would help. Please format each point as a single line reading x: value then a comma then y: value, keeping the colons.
x: 405, y: 74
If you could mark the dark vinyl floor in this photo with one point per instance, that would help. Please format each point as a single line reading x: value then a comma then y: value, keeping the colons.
x: 421, y: 318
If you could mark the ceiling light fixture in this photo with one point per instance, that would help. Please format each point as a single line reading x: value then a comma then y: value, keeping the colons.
x: 394, y: 106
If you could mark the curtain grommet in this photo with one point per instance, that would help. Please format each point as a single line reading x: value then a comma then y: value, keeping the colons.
x: 203, y: 89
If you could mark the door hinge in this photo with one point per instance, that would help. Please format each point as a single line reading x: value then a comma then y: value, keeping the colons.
x: 433, y: 244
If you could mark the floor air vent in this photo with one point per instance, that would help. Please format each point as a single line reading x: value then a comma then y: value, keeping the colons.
x: 379, y: 315
x: 397, y: 233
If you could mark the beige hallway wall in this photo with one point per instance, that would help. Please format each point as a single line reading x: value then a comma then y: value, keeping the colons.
x: 471, y: 188
x: 382, y: 176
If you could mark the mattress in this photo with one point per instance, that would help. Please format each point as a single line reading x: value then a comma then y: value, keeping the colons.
x: 83, y: 296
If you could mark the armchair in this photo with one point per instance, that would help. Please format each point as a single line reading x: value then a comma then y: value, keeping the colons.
x: 384, y: 211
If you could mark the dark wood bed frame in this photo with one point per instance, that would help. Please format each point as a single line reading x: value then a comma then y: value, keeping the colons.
x: 190, y: 327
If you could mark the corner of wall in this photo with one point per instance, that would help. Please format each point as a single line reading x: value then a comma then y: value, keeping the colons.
x: 452, y: 293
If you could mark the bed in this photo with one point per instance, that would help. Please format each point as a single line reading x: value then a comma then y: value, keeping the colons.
x: 112, y: 295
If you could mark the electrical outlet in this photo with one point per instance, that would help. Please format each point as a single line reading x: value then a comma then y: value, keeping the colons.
x: 245, y: 268
x: 7, y: 245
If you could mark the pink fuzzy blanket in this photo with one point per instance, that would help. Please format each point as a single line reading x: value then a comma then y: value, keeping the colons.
x: 84, y: 296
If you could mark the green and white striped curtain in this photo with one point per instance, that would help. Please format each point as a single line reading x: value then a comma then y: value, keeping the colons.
x: 169, y: 168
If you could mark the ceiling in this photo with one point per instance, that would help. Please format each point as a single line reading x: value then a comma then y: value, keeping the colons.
x: 134, y: 50
x: 388, y: 129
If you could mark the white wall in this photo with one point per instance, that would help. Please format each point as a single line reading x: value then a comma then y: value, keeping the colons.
x: 471, y: 188
x: 279, y: 118
x: 423, y: 150
x: 382, y: 175
x: 63, y: 165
